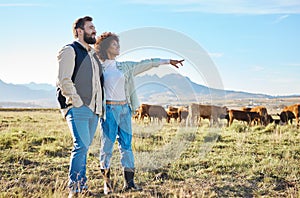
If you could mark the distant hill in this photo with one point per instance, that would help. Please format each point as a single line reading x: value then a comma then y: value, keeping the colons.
x: 176, y: 88
x: 12, y: 95
x: 39, y: 86
x: 169, y: 89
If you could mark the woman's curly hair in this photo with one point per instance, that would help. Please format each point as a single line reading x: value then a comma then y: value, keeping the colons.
x: 103, y: 42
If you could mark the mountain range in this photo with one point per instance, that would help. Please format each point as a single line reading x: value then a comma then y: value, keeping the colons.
x: 152, y: 89
x: 26, y: 95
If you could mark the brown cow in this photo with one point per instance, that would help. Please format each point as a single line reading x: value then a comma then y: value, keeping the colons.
x: 211, y: 112
x: 152, y: 111
x: 172, y: 112
x: 246, y: 116
x: 290, y: 112
x: 262, y: 111
x: 182, y: 113
x: 178, y: 113
x: 143, y: 111
x: 135, y: 116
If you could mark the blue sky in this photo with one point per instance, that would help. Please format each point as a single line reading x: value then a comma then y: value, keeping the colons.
x: 254, y: 45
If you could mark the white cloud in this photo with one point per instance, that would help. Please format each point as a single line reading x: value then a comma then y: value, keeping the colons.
x: 281, y: 18
x: 228, y: 6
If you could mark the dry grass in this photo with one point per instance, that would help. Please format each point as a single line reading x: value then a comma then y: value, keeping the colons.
x: 172, y: 161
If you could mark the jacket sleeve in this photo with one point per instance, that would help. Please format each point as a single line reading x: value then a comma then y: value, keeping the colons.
x: 144, y: 65
x: 66, y: 64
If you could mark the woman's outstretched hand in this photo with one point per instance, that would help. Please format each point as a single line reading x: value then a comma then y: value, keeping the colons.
x: 175, y: 63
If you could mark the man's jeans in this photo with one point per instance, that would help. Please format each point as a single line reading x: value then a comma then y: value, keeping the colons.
x: 117, y: 126
x: 83, y: 124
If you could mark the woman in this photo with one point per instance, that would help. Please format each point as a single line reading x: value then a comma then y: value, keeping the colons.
x: 121, y: 99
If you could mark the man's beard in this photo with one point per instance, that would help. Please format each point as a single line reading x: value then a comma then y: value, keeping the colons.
x: 88, y: 38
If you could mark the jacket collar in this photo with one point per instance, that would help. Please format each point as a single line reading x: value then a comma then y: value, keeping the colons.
x: 79, y: 44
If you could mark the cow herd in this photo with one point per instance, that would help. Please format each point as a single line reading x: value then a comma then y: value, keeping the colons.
x: 193, y: 113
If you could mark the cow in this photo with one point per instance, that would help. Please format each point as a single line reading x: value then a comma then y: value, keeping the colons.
x: 178, y: 113
x: 290, y: 112
x: 240, y: 115
x: 273, y: 120
x: 182, y: 113
x: 286, y: 117
x: 261, y: 110
x: 135, y: 116
x: 172, y: 112
x: 211, y: 112
x: 152, y: 111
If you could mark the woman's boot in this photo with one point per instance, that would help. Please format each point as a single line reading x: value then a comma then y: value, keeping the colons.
x: 129, y: 184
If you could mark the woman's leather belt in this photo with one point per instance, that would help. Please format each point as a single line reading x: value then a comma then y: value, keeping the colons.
x: 113, y: 102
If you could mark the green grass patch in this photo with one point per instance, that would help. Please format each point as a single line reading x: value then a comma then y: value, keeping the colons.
x: 171, y: 160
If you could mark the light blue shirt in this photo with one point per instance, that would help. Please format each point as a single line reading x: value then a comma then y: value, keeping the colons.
x: 131, y: 69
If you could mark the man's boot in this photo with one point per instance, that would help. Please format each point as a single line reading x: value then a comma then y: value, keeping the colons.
x: 129, y: 184
x: 107, y: 183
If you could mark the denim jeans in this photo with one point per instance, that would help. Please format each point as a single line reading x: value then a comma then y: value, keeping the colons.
x: 117, y: 126
x: 83, y: 124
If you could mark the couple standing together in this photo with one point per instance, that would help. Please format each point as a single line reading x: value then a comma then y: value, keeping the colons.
x: 93, y: 85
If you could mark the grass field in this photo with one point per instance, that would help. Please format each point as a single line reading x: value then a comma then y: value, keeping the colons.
x: 171, y: 161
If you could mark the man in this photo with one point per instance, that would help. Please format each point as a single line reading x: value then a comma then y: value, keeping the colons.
x: 80, y: 96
